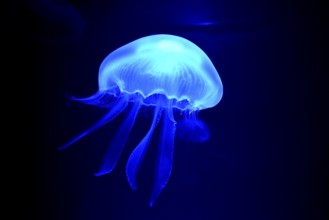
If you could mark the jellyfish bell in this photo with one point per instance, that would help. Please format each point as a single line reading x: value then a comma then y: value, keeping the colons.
x: 163, y: 64
x: 167, y: 73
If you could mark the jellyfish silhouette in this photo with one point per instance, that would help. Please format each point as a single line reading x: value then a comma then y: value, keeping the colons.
x: 165, y: 72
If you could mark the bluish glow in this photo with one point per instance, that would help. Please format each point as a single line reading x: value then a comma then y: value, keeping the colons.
x: 164, y: 64
x: 206, y: 23
x: 164, y: 72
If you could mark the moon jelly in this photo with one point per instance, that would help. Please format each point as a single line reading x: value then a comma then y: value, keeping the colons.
x: 165, y: 72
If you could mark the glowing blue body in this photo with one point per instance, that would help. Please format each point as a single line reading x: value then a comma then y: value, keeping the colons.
x: 164, y: 71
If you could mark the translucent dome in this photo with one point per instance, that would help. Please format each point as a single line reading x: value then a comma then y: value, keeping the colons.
x: 163, y: 64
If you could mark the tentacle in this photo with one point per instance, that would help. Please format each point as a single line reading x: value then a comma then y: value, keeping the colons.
x: 119, y: 141
x: 193, y: 129
x: 101, y: 98
x: 165, y: 154
x: 136, y: 157
x: 114, y: 112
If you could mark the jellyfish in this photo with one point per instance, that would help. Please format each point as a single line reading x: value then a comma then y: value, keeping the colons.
x: 164, y: 72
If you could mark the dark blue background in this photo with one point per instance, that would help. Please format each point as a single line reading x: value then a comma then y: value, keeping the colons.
x: 267, y: 155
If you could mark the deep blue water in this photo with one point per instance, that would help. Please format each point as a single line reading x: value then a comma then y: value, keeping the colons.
x: 265, y: 159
